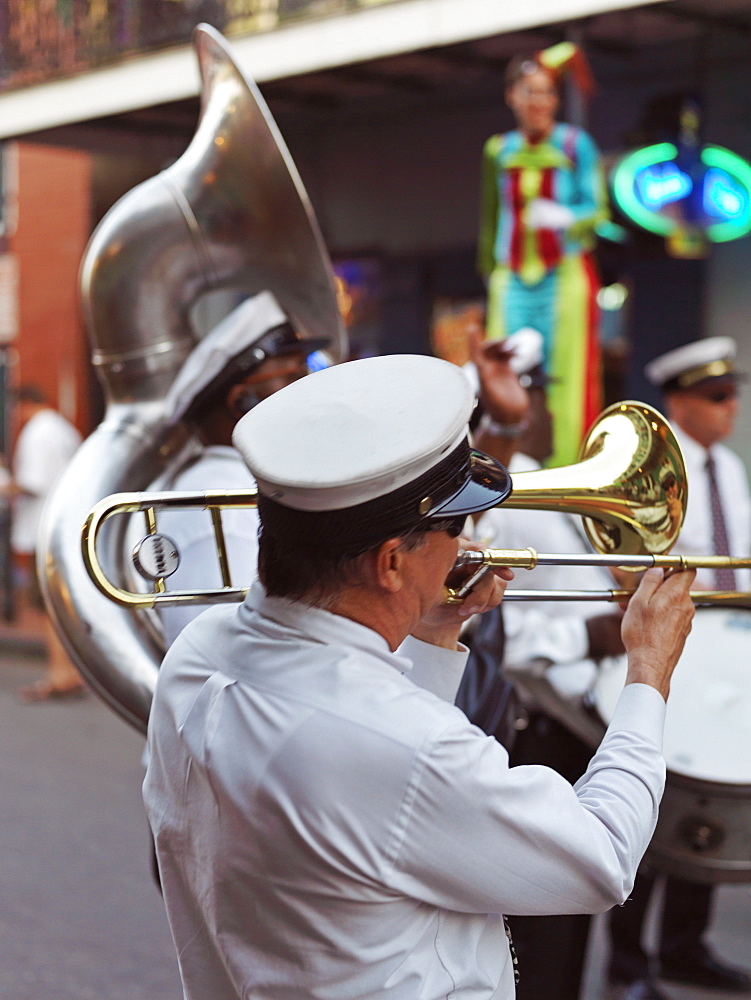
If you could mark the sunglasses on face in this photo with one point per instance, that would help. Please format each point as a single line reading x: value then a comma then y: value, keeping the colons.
x: 541, y: 93
x: 451, y: 525
x: 721, y: 395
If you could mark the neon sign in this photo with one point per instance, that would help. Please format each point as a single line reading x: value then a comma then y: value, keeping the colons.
x: 666, y: 191
x: 662, y: 183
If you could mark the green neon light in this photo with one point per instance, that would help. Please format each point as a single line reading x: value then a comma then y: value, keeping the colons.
x: 711, y: 156
x: 623, y: 187
x: 737, y: 167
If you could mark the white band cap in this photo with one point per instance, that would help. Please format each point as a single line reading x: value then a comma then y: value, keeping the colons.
x: 354, y: 432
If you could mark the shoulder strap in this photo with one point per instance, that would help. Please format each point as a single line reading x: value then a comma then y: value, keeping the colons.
x: 569, y: 142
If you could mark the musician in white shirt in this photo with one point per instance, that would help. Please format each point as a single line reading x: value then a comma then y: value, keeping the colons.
x: 328, y: 823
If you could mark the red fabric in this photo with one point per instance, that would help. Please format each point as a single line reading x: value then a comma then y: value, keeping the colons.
x: 582, y: 74
x: 592, y: 402
x: 516, y: 205
x: 548, y: 241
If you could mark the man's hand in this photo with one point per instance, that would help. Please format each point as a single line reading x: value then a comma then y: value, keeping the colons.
x: 655, y: 627
x: 442, y: 624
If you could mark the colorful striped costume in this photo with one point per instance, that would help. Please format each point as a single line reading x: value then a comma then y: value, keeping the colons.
x: 545, y: 278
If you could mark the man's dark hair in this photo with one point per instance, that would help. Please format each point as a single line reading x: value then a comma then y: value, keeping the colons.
x: 311, y: 573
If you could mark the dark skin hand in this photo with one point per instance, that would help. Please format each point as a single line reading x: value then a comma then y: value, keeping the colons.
x: 501, y: 395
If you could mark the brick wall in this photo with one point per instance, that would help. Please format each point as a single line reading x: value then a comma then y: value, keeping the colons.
x: 53, y: 211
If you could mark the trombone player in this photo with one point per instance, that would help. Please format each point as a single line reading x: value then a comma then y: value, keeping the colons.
x: 327, y: 822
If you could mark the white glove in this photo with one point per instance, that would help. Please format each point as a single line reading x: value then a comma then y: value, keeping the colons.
x: 543, y: 213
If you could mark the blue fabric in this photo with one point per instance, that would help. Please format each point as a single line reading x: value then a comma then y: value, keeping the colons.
x: 533, y: 305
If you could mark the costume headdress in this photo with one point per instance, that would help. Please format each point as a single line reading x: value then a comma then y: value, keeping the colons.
x: 565, y: 57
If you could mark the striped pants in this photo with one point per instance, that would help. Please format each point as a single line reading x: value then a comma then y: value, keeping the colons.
x: 563, y: 307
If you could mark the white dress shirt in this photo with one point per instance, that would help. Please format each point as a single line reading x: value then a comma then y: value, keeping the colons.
x: 732, y: 483
x: 46, y: 444
x: 550, y: 631
x: 328, y: 827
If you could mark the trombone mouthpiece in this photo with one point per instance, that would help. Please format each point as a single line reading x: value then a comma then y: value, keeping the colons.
x: 468, y: 557
x: 515, y: 558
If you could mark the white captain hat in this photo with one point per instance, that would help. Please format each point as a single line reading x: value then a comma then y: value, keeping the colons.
x: 255, y: 330
x: 695, y: 364
x: 368, y: 450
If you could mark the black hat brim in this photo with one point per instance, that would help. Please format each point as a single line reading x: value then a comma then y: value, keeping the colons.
x: 487, y: 484
x: 304, y: 346
x: 726, y: 378
x: 243, y: 365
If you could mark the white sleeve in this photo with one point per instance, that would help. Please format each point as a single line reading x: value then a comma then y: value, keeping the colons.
x: 434, y: 668
x: 481, y: 837
x: 45, y: 447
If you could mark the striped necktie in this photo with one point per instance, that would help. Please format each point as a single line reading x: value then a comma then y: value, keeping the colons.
x: 724, y: 578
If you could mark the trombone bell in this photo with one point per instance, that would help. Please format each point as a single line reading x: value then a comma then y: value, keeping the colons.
x: 629, y: 485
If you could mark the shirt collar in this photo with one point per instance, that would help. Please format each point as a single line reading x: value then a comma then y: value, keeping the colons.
x: 693, y: 451
x: 225, y: 450
x: 323, y: 626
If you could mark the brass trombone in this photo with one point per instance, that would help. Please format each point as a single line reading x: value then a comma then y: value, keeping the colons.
x: 485, y: 559
x: 629, y: 486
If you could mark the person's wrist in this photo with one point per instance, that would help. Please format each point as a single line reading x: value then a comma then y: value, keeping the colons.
x: 445, y: 636
x: 488, y: 425
x: 642, y: 669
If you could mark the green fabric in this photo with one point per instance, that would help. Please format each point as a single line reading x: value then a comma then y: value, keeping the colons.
x: 496, y: 317
x: 541, y: 156
x: 489, y: 206
x: 568, y: 362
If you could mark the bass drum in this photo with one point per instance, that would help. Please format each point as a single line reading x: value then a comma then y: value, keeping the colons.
x: 704, y: 829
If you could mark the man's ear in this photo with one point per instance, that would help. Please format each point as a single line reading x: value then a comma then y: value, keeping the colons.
x: 389, y: 565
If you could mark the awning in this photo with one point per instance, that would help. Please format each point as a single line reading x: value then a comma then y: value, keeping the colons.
x: 370, y: 33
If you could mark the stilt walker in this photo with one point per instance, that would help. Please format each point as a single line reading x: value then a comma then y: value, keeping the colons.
x: 543, y: 193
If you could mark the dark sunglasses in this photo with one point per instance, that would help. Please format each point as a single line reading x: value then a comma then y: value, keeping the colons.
x: 722, y: 395
x: 452, y: 525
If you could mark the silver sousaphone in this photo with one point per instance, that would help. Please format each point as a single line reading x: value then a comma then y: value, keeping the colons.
x: 230, y: 213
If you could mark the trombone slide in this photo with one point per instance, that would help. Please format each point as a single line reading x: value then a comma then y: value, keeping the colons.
x: 701, y: 598
x: 484, y: 559
x: 529, y: 558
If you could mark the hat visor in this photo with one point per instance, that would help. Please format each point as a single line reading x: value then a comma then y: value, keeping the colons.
x: 486, y: 485
x: 729, y: 378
